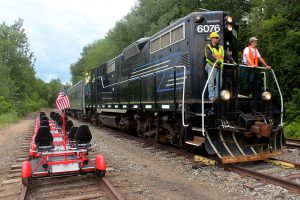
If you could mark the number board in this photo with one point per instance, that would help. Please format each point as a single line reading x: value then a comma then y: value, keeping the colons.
x: 208, y: 28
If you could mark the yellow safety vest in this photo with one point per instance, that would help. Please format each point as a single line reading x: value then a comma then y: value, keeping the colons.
x: 217, y: 53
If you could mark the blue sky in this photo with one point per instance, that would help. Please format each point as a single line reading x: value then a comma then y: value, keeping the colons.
x: 58, y: 29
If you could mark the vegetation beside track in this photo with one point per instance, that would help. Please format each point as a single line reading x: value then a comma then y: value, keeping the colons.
x: 20, y: 91
x: 8, y: 118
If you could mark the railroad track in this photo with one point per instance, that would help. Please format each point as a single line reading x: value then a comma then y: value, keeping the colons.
x: 266, y: 176
x: 88, y: 186
x: 287, y: 182
x: 292, y: 143
x: 70, y: 187
x: 11, y: 187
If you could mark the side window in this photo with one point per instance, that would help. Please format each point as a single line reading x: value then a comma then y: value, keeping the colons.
x: 155, y: 45
x: 177, y: 34
x: 173, y: 36
x: 165, y: 40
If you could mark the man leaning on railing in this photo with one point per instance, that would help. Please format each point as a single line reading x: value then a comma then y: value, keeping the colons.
x: 251, y: 55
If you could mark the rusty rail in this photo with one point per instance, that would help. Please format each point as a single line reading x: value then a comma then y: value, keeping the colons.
x: 23, y: 192
x: 114, y: 194
x: 110, y: 190
x: 292, y: 186
x: 292, y: 143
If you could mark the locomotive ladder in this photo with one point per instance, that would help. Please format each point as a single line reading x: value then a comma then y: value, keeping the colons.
x: 197, y: 140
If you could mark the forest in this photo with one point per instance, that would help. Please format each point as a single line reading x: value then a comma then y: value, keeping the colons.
x: 20, y: 91
x: 275, y: 22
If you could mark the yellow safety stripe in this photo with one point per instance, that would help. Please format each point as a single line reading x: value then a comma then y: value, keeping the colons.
x: 204, y: 160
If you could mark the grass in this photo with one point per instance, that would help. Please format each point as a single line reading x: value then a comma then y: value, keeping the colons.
x: 292, y: 130
x: 8, y: 118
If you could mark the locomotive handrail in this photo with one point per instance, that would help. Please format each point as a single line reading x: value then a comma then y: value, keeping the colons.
x: 278, y: 87
x: 203, y: 92
x: 183, y: 87
x: 281, y: 98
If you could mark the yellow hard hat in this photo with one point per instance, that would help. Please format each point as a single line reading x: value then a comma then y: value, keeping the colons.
x: 214, y: 35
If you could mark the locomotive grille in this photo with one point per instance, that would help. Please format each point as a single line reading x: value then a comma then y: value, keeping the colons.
x: 185, y: 57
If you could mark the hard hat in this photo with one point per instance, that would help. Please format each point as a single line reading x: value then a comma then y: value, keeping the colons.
x: 214, y: 35
x: 253, y: 39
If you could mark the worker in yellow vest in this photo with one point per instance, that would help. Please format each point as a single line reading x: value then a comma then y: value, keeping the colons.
x: 251, y: 55
x: 214, y: 52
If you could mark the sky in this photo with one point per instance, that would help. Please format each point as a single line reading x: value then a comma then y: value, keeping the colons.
x: 57, y: 30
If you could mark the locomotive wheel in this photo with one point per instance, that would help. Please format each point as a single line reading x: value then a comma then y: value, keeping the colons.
x: 100, y: 173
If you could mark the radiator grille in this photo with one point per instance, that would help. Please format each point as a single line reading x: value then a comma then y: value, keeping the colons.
x: 185, y: 58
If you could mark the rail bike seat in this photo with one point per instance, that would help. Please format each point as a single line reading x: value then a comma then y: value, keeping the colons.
x: 55, y: 116
x: 83, y: 137
x: 43, y: 139
x: 44, y: 123
x: 45, y: 118
x: 71, y: 135
x: 52, y: 114
x: 42, y: 116
x: 69, y: 125
x: 59, y: 122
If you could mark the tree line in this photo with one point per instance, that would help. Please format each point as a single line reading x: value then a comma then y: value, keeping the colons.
x: 275, y: 22
x: 20, y: 91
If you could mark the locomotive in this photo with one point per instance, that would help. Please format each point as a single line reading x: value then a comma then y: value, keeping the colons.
x: 157, y: 87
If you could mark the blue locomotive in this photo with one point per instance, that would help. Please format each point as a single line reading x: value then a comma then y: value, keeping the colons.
x: 157, y: 87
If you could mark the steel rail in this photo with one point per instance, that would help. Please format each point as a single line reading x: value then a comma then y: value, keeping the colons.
x: 111, y: 189
x: 292, y: 143
x: 292, y: 186
x: 23, y: 192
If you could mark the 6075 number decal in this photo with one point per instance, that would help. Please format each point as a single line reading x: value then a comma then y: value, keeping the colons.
x: 208, y: 28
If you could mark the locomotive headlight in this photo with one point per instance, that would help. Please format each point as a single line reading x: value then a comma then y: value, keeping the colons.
x: 225, y: 95
x: 266, y: 96
x: 229, y: 19
x: 199, y: 19
x: 229, y: 27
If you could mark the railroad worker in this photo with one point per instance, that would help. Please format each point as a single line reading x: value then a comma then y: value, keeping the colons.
x: 214, y: 52
x: 251, y: 55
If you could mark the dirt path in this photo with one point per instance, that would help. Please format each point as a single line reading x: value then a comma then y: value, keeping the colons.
x: 11, y: 138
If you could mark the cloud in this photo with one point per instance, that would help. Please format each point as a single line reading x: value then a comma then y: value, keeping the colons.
x: 58, y: 29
